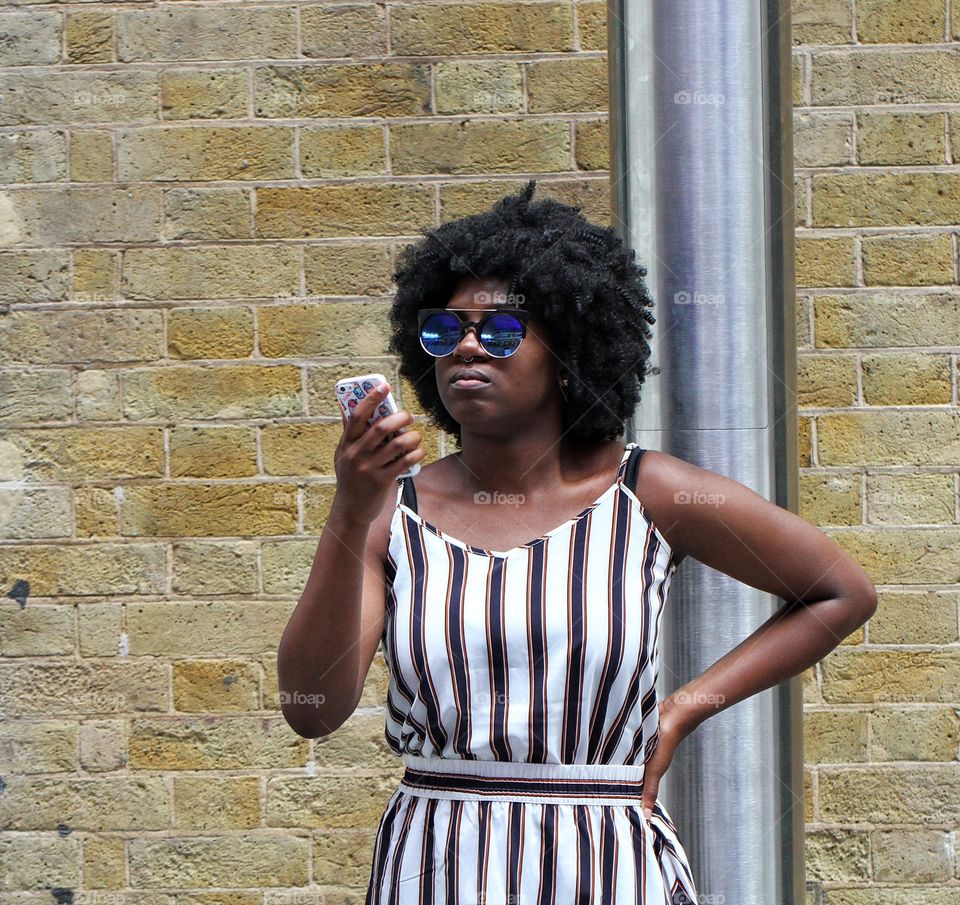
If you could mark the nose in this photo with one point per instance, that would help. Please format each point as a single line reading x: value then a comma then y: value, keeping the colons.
x: 469, y: 345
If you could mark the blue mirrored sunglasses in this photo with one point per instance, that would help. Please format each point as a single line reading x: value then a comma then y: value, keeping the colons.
x: 499, y: 332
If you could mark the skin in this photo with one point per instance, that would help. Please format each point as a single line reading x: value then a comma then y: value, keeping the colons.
x: 512, y: 442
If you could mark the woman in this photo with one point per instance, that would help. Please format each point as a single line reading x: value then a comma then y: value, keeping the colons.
x: 517, y: 585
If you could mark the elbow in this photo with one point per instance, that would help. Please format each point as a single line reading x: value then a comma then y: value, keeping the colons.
x: 863, y: 604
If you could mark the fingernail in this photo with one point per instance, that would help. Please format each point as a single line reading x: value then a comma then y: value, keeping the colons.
x: 648, y: 813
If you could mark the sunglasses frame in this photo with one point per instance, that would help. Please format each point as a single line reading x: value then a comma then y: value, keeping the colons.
x: 521, y: 314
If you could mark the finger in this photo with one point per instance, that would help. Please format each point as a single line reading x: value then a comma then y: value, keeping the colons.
x: 364, y: 410
x: 650, y: 785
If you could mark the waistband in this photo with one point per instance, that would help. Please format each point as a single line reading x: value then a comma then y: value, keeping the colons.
x: 493, y: 780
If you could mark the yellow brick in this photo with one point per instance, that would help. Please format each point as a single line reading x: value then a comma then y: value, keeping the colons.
x: 207, y: 213
x: 95, y: 273
x: 886, y: 199
x: 924, y: 734
x: 893, y: 22
x: 215, y: 686
x: 203, y: 93
x: 481, y: 28
x: 216, y: 803
x: 104, y: 858
x: 299, y: 449
x: 917, y: 557
x: 213, y: 452
x: 900, y: 138
x: 830, y: 499
x: 87, y: 453
x: 826, y: 380
x: 915, y: 617
x: 342, y: 90
x: 204, y: 510
x: 343, y: 857
x: 890, y: 795
x: 834, y: 736
x: 858, y: 676
x: 201, y: 568
x: 885, y: 319
x: 206, y: 33
x: 821, y: 22
x: 36, y: 631
x: 224, y: 743
x: 205, y: 152
x: 226, y: 392
x: 210, y: 332
x: 38, y: 746
x: 592, y: 25
x: 233, y: 860
x: 61, y: 570
x: 889, y: 438
x: 41, y: 861
x: 875, y: 76
x: 825, y: 262
x: 908, y: 378
x: 89, y: 37
x: 836, y: 855
x: 575, y: 85
x: 592, y: 144
x: 354, y: 269
x: 255, y: 271
x: 328, y: 801
x: 332, y: 211
x: 335, y: 152
x: 480, y: 147
x: 66, y: 337
x: 909, y: 499
x: 478, y: 86
x: 206, y: 629
x: 329, y: 328
x: 343, y: 31
x: 907, y: 260
x: 591, y: 194
x: 98, y: 513
x: 91, y: 156
x: 822, y: 139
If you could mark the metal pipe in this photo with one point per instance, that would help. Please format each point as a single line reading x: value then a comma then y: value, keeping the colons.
x: 701, y: 164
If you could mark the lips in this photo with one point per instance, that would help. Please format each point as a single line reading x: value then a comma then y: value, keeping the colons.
x: 468, y: 374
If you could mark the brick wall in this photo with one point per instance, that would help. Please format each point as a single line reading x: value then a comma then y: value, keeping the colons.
x: 878, y: 198
x: 201, y: 208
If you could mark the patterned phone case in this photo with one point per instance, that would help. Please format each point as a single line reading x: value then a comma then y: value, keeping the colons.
x: 352, y: 390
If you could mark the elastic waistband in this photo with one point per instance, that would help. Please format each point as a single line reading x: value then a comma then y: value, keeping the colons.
x: 494, y: 780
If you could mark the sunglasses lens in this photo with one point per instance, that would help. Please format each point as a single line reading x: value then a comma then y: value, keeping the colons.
x: 440, y: 334
x: 501, y: 335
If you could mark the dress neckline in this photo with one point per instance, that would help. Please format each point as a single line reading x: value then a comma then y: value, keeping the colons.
x: 500, y: 554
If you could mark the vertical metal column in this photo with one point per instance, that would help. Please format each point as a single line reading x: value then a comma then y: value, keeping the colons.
x: 702, y: 179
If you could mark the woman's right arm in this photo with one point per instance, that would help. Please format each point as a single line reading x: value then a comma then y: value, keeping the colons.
x: 334, y: 631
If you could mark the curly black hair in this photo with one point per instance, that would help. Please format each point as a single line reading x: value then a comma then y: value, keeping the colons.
x: 576, y: 277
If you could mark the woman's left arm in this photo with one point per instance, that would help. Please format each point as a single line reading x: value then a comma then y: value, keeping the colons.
x: 729, y: 527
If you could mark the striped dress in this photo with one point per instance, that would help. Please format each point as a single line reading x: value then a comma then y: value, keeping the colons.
x: 522, y: 701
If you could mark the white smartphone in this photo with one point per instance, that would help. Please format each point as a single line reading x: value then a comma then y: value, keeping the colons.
x: 351, y: 390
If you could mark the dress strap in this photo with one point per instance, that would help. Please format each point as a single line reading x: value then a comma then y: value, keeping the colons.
x: 633, y: 464
x: 407, y: 494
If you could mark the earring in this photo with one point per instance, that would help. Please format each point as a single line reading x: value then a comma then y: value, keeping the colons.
x: 561, y: 383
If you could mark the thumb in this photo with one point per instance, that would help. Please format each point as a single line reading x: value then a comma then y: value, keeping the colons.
x: 651, y: 782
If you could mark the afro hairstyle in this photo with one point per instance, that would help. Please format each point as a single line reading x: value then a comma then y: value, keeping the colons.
x: 577, y: 278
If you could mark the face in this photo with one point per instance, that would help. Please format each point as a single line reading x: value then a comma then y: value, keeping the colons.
x: 519, y: 390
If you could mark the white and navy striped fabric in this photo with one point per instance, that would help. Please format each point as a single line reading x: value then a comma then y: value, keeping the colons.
x: 522, y: 699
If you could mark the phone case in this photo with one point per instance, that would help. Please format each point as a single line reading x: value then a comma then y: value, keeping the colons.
x: 352, y: 390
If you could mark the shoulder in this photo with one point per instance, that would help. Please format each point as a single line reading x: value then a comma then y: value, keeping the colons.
x: 378, y: 538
